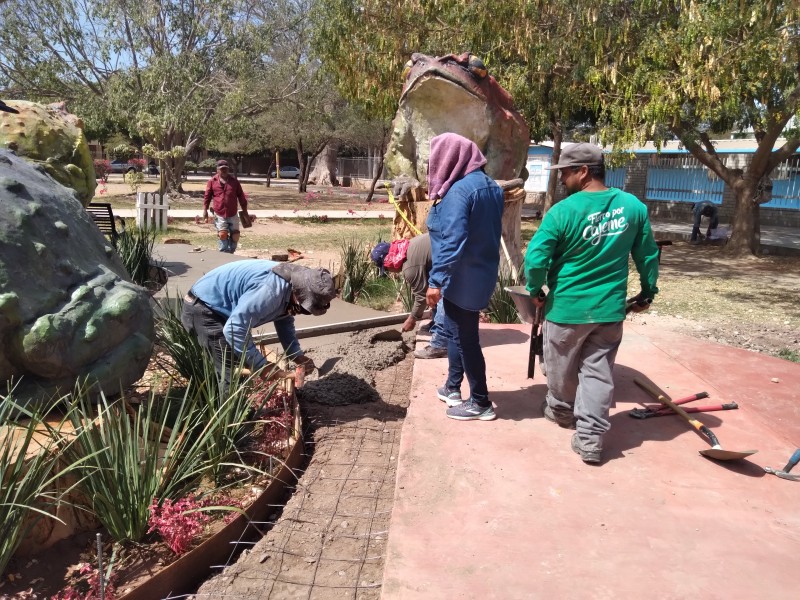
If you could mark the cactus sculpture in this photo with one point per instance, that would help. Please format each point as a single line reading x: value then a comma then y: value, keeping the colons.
x: 52, y: 138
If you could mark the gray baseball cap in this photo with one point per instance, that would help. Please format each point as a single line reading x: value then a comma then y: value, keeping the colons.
x: 313, y: 288
x: 577, y: 155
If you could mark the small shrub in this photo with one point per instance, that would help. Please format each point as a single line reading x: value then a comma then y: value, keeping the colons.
x: 209, y: 164
x: 788, y: 354
x: 190, y: 165
x: 134, y: 179
x: 102, y: 168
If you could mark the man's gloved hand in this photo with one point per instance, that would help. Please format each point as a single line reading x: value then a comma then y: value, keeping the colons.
x: 305, y: 362
x: 638, y: 303
x: 402, y: 185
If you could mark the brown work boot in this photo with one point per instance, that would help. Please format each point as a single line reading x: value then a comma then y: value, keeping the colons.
x: 566, y: 421
x: 430, y: 352
x: 588, y: 456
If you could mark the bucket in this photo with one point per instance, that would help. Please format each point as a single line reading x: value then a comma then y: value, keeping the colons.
x: 522, y: 302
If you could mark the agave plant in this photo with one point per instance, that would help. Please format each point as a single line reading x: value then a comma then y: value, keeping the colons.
x: 501, y: 307
x: 29, y: 469
x: 224, y: 405
x: 357, y: 268
x: 135, y: 248
x: 134, y: 454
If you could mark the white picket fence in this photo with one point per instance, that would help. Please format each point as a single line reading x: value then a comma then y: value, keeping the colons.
x: 151, y: 210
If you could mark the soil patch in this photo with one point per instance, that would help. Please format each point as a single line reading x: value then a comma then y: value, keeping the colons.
x: 329, y: 540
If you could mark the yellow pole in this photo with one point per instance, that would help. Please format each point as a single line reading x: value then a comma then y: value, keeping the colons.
x: 277, y: 164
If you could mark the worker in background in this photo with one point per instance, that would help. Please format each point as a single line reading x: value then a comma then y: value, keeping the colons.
x: 700, y: 210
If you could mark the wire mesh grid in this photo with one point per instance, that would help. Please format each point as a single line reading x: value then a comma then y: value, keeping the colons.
x: 330, y: 538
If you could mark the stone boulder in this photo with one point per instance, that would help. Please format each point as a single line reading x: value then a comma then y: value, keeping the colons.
x: 68, y: 311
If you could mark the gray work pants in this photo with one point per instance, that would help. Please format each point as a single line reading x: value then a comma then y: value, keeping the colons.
x: 580, y: 359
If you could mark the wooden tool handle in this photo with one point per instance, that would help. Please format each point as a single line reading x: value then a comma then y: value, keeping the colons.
x: 664, y: 399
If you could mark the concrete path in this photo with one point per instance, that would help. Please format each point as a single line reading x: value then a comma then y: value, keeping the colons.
x: 505, y: 509
x: 774, y: 240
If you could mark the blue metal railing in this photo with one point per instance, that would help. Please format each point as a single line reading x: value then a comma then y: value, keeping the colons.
x: 683, y: 184
x: 616, y: 177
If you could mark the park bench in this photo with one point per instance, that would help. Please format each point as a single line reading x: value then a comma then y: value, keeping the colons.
x: 103, y: 217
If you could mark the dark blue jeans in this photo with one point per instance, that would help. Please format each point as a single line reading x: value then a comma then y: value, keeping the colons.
x: 464, y: 353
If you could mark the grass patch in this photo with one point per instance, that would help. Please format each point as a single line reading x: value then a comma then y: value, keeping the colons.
x: 788, y: 354
x: 380, y: 293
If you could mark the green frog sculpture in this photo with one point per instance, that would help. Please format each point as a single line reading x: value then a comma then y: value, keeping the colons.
x: 454, y: 93
x: 68, y: 310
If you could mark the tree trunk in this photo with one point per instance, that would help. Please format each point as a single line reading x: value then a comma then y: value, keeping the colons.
x: 377, y: 176
x: 746, y: 229
x: 379, y: 170
x: 325, y: 172
x: 552, y: 181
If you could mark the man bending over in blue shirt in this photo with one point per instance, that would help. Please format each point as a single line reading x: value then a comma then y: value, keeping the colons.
x: 225, y: 304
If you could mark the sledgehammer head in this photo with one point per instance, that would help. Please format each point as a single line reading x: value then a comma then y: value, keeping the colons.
x: 782, y: 474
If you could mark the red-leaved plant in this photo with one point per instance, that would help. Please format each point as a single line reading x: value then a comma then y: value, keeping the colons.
x: 101, y: 169
x: 139, y: 163
x: 273, y: 410
x: 88, y: 588
x: 178, y: 523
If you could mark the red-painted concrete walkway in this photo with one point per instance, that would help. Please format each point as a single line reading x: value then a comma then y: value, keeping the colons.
x: 505, y: 509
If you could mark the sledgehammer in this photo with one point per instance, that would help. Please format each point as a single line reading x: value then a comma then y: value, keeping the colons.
x: 784, y: 473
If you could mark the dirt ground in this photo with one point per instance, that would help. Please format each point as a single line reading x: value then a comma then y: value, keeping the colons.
x: 329, y: 540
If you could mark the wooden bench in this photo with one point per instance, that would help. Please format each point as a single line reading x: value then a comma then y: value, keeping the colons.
x: 103, y: 217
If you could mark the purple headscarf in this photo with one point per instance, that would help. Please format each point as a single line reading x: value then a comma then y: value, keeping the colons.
x: 452, y: 157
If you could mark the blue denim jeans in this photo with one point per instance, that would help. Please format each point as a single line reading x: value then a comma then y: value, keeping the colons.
x: 231, y: 225
x: 464, y: 354
x: 439, y: 335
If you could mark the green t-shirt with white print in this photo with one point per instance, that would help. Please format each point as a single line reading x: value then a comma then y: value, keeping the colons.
x: 581, y: 251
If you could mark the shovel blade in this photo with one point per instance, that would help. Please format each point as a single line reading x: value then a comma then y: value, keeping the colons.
x: 720, y: 454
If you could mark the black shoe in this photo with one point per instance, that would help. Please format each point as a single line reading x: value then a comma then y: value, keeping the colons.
x: 565, y: 421
x: 426, y: 328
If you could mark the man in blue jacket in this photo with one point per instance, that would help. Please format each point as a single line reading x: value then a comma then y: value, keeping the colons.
x: 224, y: 305
x: 465, y: 225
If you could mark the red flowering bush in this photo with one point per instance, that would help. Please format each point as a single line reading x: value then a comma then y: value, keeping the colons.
x: 178, y: 523
x: 88, y: 588
x: 101, y: 169
x: 138, y: 163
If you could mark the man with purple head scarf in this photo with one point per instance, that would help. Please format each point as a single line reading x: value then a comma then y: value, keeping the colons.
x: 465, y: 225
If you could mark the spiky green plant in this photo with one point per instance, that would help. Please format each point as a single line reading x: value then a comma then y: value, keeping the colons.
x: 225, y: 408
x: 501, y: 307
x: 405, y: 293
x: 357, y: 268
x: 29, y: 469
x: 134, y: 454
x: 135, y: 248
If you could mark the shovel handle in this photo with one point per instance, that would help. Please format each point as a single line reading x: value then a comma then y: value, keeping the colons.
x: 656, y: 393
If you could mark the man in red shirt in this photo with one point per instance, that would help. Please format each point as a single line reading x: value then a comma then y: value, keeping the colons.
x: 227, y: 193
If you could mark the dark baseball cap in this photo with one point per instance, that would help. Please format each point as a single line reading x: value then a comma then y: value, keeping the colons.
x: 314, y: 289
x: 222, y: 164
x: 578, y: 155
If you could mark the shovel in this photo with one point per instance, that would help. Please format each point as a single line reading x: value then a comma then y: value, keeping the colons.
x: 716, y: 452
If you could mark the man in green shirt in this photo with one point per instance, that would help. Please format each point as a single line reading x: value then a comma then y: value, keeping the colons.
x: 581, y: 252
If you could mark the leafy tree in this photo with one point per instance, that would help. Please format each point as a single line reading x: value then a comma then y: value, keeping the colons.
x: 691, y: 68
x: 161, y: 68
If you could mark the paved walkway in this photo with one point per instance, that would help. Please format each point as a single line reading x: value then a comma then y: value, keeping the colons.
x: 773, y: 238
x: 506, y: 510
